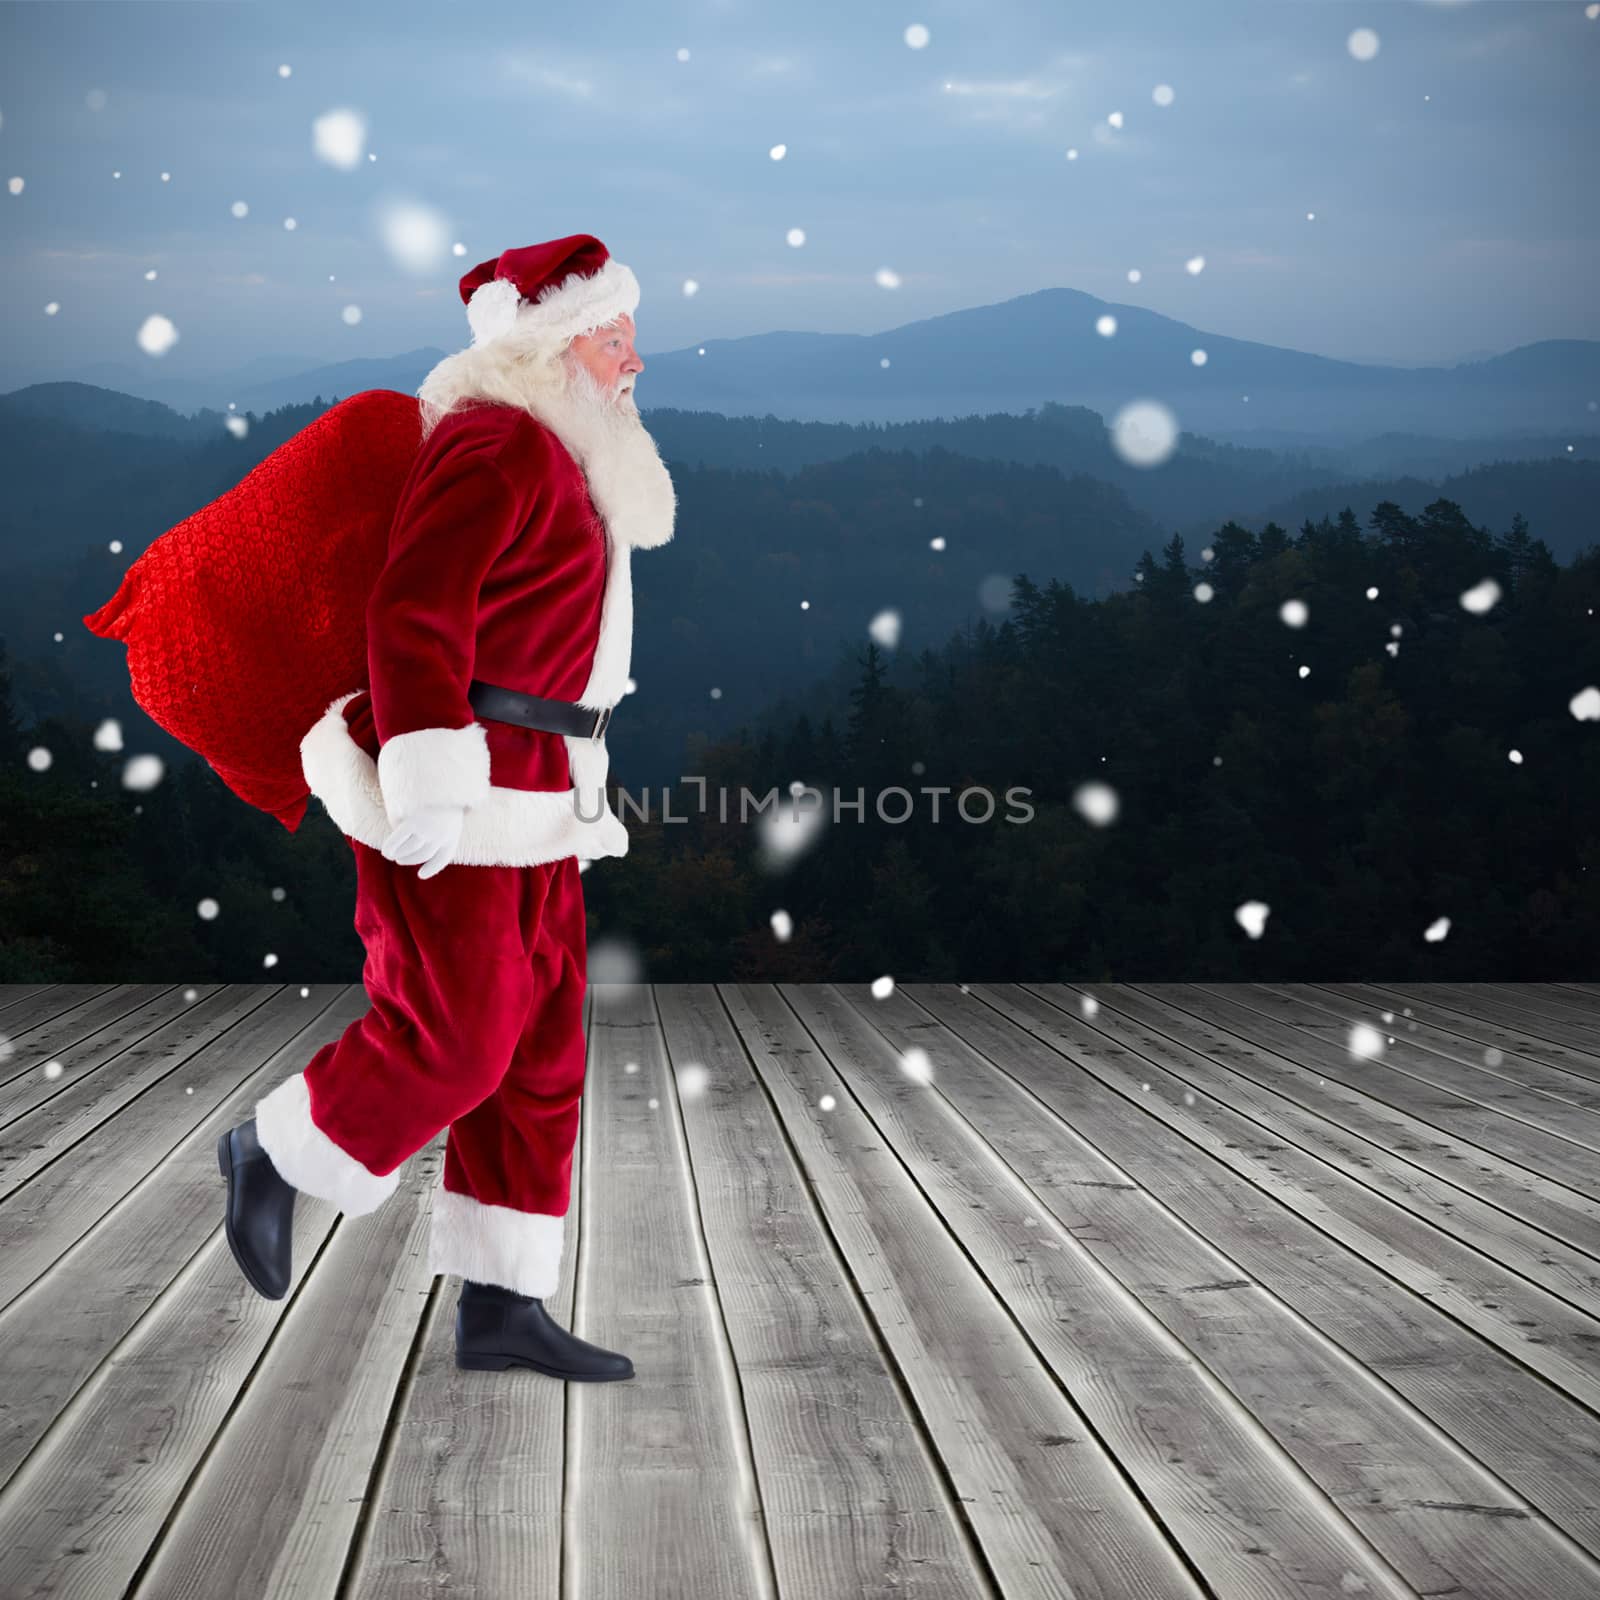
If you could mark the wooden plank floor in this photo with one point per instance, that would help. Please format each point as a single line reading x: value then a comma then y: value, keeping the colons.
x: 1112, y: 1291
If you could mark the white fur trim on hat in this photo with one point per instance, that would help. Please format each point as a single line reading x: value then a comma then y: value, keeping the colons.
x: 563, y: 310
x: 307, y: 1158
x: 517, y: 1250
x: 492, y: 310
x: 578, y: 304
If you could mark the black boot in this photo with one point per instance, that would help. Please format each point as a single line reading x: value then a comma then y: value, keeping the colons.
x: 497, y: 1328
x: 260, y: 1214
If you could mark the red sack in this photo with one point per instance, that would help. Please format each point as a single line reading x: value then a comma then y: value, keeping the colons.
x: 245, y: 620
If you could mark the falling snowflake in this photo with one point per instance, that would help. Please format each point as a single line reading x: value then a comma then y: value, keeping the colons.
x: 789, y: 828
x: 1436, y: 930
x: 1365, y: 1041
x: 916, y: 1065
x: 1585, y: 704
x: 885, y: 628
x: 1252, y: 917
x: 614, y: 960
x: 1482, y: 597
x: 337, y: 137
x: 156, y: 335
x: 143, y: 772
x: 416, y: 237
x: 782, y: 925
x: 882, y: 987
x: 1096, y: 803
x: 1144, y: 433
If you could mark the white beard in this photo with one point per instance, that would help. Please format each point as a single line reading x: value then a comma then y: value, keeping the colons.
x: 628, y: 481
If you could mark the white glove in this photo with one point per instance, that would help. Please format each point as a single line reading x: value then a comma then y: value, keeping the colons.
x: 429, y: 836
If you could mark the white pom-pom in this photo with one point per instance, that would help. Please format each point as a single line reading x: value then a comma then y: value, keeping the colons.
x: 492, y: 309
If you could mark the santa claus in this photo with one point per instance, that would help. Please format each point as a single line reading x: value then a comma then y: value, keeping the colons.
x: 469, y: 777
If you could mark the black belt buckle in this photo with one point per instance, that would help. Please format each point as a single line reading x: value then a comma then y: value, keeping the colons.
x: 601, y: 723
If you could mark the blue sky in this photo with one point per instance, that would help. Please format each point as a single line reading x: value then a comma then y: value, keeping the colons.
x: 1454, y: 212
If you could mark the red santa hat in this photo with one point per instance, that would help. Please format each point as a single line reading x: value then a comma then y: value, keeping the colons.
x: 563, y: 288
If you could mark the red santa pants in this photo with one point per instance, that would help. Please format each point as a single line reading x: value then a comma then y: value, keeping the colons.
x: 476, y: 977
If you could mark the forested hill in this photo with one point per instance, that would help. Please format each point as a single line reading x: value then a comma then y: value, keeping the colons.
x: 1404, y: 782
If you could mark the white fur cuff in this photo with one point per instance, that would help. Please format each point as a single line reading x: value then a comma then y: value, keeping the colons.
x: 307, y: 1158
x: 434, y: 767
x: 518, y: 1250
x: 513, y: 827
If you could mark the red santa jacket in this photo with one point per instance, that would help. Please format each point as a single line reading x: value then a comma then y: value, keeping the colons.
x: 498, y: 568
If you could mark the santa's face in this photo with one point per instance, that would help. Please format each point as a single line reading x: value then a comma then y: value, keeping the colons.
x: 608, y: 356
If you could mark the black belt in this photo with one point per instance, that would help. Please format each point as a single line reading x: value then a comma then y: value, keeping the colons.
x: 534, y: 711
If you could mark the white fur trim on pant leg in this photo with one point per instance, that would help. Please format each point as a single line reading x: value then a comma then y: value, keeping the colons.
x: 434, y: 767
x: 518, y: 1250
x: 307, y: 1158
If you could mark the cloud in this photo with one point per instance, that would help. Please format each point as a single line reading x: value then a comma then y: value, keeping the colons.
x: 1023, y: 102
x: 1485, y: 251
x: 1255, y: 258
x: 524, y: 69
x: 1016, y: 89
x: 140, y: 258
x: 787, y: 280
x: 1494, y: 44
x: 775, y: 67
